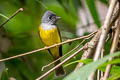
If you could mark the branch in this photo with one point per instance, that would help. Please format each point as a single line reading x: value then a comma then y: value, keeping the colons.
x: 45, y: 48
x: 101, y: 72
x: 105, y: 30
x: 68, y: 58
x: 14, y: 14
x: 78, y: 46
x: 113, y: 47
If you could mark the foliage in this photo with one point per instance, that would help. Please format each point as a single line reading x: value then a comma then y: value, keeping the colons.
x: 84, y: 72
x: 22, y: 31
x: 4, y: 75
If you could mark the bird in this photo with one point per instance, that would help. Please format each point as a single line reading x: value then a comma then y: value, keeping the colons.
x: 50, y: 35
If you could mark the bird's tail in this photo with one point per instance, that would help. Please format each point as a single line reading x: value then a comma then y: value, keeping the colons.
x: 59, y: 71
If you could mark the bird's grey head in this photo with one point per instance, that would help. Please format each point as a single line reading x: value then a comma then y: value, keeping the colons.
x: 49, y: 17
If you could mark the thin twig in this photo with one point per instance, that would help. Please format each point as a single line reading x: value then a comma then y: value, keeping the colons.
x: 101, y: 72
x: 113, y: 48
x: 63, y: 55
x: 45, y: 48
x: 105, y: 30
x: 68, y: 58
x: 67, y: 53
x: 14, y: 14
x: 98, y: 74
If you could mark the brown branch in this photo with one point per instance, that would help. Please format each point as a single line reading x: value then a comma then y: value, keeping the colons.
x: 101, y: 72
x: 78, y: 46
x: 14, y: 14
x: 113, y: 48
x: 68, y: 58
x: 45, y: 48
x: 98, y: 74
x: 105, y: 30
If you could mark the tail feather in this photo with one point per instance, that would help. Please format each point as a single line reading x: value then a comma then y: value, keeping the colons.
x: 59, y: 71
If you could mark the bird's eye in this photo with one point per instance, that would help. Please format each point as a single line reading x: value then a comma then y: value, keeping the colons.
x: 50, y: 17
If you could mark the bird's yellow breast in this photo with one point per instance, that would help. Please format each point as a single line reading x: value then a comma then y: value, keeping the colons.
x: 50, y: 36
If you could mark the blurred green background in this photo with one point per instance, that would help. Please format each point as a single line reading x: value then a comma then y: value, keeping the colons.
x: 22, y: 34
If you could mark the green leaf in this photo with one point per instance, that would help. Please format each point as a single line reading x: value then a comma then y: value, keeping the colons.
x: 115, y: 76
x: 83, y: 61
x: 115, y: 69
x: 92, y: 7
x: 85, y: 71
x: 4, y: 75
x: 114, y: 61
